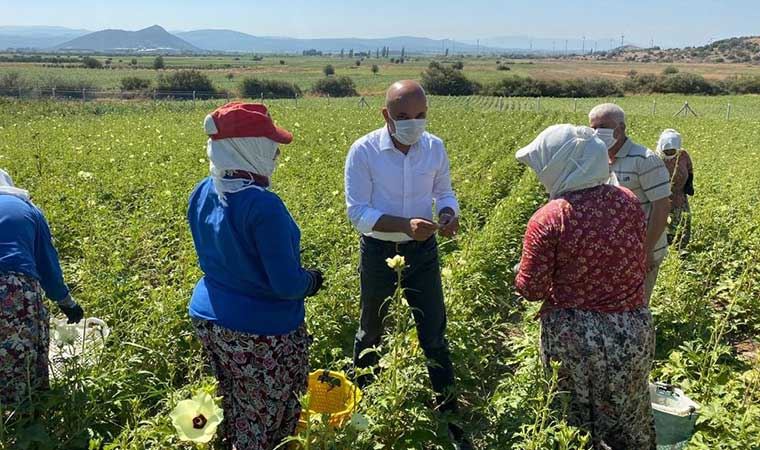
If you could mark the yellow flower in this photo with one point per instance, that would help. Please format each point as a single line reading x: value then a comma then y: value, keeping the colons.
x: 196, y: 419
x: 396, y: 263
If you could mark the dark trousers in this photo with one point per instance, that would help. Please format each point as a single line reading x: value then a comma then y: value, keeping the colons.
x: 424, y: 292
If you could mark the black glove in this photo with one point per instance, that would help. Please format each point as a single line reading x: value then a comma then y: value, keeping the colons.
x: 71, y: 309
x: 317, y: 280
x: 688, y: 189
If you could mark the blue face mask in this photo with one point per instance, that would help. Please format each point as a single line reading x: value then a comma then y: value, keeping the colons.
x: 409, y: 131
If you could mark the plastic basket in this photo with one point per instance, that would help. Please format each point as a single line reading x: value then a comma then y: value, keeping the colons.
x: 332, y: 394
x: 675, y: 416
x: 80, y: 340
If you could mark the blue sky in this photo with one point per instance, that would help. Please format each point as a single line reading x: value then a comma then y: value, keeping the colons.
x: 675, y: 22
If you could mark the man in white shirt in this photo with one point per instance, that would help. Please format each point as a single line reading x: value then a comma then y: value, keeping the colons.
x: 639, y: 169
x: 394, y: 176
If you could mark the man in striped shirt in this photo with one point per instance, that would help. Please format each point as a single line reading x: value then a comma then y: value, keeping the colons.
x: 643, y: 172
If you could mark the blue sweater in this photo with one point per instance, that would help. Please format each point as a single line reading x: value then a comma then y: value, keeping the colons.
x: 26, y: 246
x: 250, y: 255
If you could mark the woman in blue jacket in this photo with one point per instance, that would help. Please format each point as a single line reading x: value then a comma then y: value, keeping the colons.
x: 248, y: 308
x: 28, y: 267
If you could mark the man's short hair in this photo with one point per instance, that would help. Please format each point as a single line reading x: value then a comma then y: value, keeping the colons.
x: 607, y: 110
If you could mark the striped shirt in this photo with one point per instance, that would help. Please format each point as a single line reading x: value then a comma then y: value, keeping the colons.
x: 643, y: 172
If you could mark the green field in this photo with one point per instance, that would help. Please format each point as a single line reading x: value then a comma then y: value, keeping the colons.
x: 113, y: 179
x: 304, y: 71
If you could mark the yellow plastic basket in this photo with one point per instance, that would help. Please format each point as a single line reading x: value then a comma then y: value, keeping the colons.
x: 333, y: 394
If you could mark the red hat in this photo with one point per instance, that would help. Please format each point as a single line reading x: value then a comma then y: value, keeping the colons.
x: 239, y: 120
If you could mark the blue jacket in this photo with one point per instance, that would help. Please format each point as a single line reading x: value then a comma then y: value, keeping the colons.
x: 26, y: 246
x: 250, y: 255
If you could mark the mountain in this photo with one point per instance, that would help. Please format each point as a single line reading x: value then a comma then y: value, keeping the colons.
x: 235, y: 41
x: 36, y: 37
x: 152, y: 38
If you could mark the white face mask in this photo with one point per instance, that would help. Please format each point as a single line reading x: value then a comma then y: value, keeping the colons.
x: 409, y: 131
x: 667, y: 157
x: 607, y: 135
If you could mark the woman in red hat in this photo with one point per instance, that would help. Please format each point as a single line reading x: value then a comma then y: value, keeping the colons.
x: 248, y: 308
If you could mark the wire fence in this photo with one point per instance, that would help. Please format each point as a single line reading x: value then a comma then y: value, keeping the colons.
x: 726, y: 108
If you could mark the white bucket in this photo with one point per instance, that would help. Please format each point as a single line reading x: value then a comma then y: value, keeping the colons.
x: 675, y: 415
x: 79, y: 340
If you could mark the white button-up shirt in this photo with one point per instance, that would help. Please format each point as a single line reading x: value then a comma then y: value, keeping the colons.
x: 381, y: 180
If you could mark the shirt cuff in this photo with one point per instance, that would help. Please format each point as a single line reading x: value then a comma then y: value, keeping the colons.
x: 658, y: 193
x: 448, y: 202
x: 368, y: 220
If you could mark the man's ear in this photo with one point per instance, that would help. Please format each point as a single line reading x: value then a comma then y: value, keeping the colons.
x: 388, y: 120
x: 621, y: 129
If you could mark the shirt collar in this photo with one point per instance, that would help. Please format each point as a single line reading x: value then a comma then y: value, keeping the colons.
x: 625, y: 149
x: 386, y: 143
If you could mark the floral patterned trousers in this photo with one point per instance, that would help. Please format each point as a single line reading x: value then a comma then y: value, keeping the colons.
x: 24, y: 339
x: 260, y: 379
x: 605, y: 362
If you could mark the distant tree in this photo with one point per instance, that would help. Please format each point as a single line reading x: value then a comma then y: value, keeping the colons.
x: 329, y: 70
x: 459, y: 65
x: 342, y: 52
x: 670, y: 70
x: 377, y: 53
x: 447, y: 53
x: 358, y: 62
x: 158, y: 63
x: 185, y: 80
x: 403, y: 52
x: 335, y: 87
x: 134, y: 84
x: 133, y: 62
x: 230, y: 76
x: 282, y: 62
x: 441, y: 80
x: 91, y: 63
x: 351, y: 53
x: 256, y: 88
x: 375, y: 69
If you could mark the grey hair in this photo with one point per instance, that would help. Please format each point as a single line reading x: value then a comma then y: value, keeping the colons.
x: 608, y: 110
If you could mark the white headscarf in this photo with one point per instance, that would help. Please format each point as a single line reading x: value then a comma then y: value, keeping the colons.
x: 8, y: 188
x: 670, y: 139
x: 567, y: 158
x: 251, y: 154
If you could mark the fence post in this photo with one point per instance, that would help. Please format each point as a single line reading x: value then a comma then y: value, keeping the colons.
x: 538, y: 104
x: 193, y: 96
x: 84, y: 94
x: 261, y: 97
x: 154, y: 94
x: 728, y: 112
x: 19, y: 92
x: 295, y: 99
x: 328, y: 99
x: 654, y: 107
x: 53, y: 92
x: 575, y: 105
